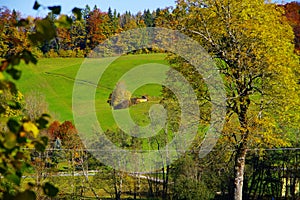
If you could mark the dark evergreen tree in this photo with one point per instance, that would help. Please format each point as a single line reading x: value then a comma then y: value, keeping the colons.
x: 148, y: 18
x: 86, y: 12
x: 110, y: 14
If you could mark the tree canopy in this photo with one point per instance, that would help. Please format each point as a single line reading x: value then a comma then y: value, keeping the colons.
x: 252, y: 44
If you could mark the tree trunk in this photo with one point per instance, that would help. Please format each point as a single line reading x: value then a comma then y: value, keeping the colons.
x: 165, y: 182
x: 134, y: 188
x: 239, y: 173
x: 150, y: 192
x: 86, y: 176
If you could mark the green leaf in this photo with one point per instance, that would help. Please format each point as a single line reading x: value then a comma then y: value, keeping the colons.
x: 36, y: 38
x: 46, y: 115
x: 50, y: 190
x: 21, y: 140
x: 26, y: 195
x: 14, y: 105
x: 64, y: 21
x: 14, y: 60
x: 13, y: 178
x: 46, y: 29
x: 42, y: 122
x: 55, y: 9
x: 77, y: 12
x: 13, y: 125
x: 36, y: 5
x: 27, y: 56
x: 45, y: 140
x: 8, y: 85
x: 15, y: 73
x: 30, y: 184
x: 39, y: 146
x: 3, y: 169
x: 2, y: 109
x: 22, y: 22
x: 220, y: 63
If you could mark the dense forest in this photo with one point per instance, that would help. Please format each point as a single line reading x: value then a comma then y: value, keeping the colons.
x: 77, y: 37
x: 256, y: 48
x: 74, y: 37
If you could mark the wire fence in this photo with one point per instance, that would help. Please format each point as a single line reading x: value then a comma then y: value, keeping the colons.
x: 73, y: 169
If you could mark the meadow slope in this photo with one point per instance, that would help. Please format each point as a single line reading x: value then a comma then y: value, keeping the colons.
x: 54, y: 78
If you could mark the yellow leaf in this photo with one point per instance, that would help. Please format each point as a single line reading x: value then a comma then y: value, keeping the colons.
x: 10, y: 140
x: 30, y: 127
x: 30, y: 145
x: 1, y: 76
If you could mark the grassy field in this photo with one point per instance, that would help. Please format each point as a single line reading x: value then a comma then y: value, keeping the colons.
x: 54, y: 78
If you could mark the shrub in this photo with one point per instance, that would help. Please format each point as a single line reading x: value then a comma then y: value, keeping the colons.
x: 51, y: 54
x: 80, y: 53
x: 37, y: 52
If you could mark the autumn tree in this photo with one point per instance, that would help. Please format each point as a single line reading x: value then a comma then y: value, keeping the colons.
x: 35, y: 105
x: 78, y: 34
x: 113, y: 22
x: 97, y: 27
x: 128, y: 21
x: 121, y: 96
x: 252, y: 45
x: 13, y: 38
x: 21, y: 132
x: 86, y: 12
x: 67, y: 133
x: 292, y: 13
x: 64, y: 38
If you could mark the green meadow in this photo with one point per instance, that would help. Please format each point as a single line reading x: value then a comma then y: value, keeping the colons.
x: 54, y: 78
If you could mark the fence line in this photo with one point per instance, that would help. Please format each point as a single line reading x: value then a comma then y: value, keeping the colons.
x: 122, y: 150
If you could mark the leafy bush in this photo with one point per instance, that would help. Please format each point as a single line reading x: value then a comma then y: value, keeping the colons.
x: 80, y: 53
x: 186, y: 188
x: 51, y: 54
